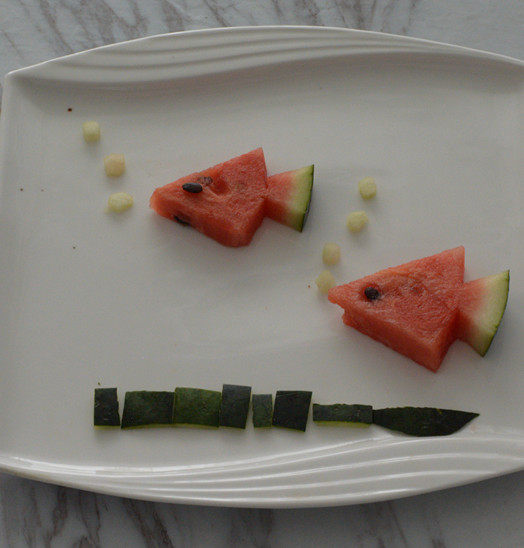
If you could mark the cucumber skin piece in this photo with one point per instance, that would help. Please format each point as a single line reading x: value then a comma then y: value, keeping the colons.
x: 197, y: 407
x: 262, y: 410
x: 422, y: 421
x: 106, y: 408
x: 292, y: 409
x: 234, y: 407
x: 147, y: 408
x: 343, y: 414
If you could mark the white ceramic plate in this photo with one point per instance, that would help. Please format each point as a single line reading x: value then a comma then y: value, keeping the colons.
x: 138, y: 302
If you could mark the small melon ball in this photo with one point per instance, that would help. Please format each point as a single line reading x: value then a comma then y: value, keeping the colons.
x: 115, y: 165
x: 120, y: 201
x: 356, y: 221
x: 91, y: 131
x: 367, y: 188
x: 325, y: 281
x: 331, y: 253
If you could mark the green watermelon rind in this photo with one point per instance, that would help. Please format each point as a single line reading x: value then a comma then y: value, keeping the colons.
x: 291, y: 409
x: 293, y: 210
x: 234, y: 407
x: 483, y: 327
x: 301, y: 201
x: 262, y: 410
x: 422, y: 421
x: 106, y: 413
x: 145, y: 409
x: 197, y: 407
x: 342, y: 414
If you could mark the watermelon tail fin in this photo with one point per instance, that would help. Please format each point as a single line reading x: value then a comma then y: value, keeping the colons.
x: 481, y: 308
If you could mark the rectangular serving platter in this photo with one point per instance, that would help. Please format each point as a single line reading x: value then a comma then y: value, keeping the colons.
x: 134, y: 301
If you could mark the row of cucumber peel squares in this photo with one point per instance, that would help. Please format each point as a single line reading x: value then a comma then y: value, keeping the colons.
x: 198, y: 407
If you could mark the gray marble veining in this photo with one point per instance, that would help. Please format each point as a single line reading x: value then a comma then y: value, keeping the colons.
x: 36, y: 30
x: 35, y: 514
x: 483, y: 514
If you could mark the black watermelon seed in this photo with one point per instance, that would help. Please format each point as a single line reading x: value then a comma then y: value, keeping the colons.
x: 371, y: 293
x: 205, y: 180
x: 192, y: 187
x: 181, y: 221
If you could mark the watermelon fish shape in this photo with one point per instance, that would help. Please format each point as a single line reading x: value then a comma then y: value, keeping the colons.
x: 419, y: 308
x: 228, y: 202
x: 225, y: 202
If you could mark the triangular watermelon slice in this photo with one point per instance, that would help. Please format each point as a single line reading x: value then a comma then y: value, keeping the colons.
x: 225, y: 202
x: 411, y: 308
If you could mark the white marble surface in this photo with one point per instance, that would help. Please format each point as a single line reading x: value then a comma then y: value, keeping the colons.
x: 34, y: 514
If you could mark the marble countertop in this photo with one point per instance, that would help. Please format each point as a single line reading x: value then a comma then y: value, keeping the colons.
x: 488, y: 513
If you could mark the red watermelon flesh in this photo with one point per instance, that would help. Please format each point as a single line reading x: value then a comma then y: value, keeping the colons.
x: 416, y: 309
x: 230, y: 206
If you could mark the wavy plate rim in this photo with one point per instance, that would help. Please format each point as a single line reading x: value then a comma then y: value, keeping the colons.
x: 360, y: 480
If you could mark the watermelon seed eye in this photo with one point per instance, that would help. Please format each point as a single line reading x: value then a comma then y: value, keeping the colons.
x: 371, y: 293
x: 194, y: 188
x: 181, y: 221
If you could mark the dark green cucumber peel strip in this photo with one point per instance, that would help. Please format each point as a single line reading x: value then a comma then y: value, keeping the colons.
x: 106, y: 407
x: 262, y: 410
x: 292, y: 409
x: 147, y: 408
x: 197, y: 407
x: 343, y: 413
x: 234, y: 407
x: 422, y: 421
x: 205, y: 408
